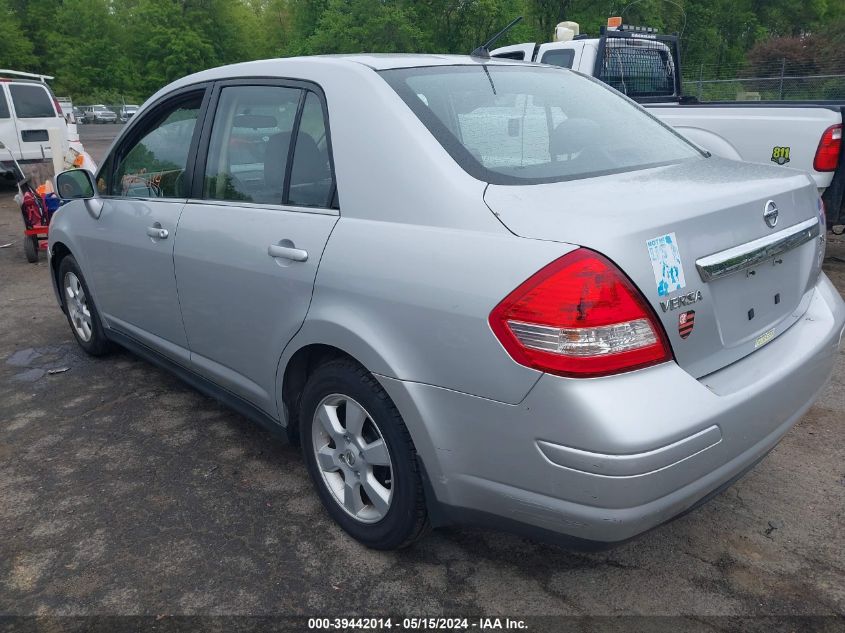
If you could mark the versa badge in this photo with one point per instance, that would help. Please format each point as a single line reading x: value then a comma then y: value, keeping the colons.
x: 684, y: 300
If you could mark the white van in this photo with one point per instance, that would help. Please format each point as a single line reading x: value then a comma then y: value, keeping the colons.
x: 28, y: 111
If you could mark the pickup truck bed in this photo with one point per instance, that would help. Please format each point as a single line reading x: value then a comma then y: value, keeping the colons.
x: 758, y: 132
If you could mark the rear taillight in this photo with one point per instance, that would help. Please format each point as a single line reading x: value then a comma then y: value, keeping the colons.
x: 580, y: 316
x: 827, y: 155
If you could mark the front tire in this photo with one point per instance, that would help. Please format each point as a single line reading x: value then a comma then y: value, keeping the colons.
x: 82, y: 314
x: 360, y: 457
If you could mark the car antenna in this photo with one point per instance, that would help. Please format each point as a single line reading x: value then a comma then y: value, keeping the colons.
x: 483, y: 51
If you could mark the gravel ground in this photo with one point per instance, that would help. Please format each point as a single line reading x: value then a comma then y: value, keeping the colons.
x: 124, y: 492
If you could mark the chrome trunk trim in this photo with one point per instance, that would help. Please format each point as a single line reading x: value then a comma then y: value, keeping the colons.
x: 753, y: 253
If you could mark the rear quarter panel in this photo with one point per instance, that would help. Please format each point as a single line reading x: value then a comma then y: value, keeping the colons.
x: 412, y: 302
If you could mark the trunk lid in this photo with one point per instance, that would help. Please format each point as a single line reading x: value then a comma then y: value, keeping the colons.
x: 752, y: 281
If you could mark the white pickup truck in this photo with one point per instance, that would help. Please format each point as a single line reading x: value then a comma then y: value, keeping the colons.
x: 646, y: 67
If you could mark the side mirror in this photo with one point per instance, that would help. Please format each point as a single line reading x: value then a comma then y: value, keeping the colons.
x: 78, y: 184
x: 74, y: 184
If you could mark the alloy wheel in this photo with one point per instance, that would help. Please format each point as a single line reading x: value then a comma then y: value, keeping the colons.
x: 77, y: 307
x: 353, y: 458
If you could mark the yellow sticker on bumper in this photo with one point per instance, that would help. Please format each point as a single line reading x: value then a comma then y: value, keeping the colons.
x: 764, y: 338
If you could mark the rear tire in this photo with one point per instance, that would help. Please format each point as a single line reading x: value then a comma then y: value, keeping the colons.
x: 361, y: 458
x: 30, y: 248
x: 82, y: 314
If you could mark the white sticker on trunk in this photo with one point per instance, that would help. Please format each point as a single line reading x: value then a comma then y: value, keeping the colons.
x: 666, y: 264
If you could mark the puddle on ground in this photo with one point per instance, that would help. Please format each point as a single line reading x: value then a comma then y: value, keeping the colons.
x: 37, y: 361
x: 23, y: 358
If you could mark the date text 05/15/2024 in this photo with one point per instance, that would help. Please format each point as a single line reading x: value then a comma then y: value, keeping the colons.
x: 417, y: 624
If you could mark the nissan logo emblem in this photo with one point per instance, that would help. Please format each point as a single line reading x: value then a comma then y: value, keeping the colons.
x: 770, y: 214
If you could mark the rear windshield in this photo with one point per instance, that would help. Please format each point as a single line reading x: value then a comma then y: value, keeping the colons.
x: 529, y: 124
x: 31, y: 102
x: 638, y: 68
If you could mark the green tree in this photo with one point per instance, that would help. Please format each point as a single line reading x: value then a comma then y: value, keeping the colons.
x: 16, y: 50
x: 164, y: 44
x: 352, y: 26
x: 104, y: 49
x: 84, y: 50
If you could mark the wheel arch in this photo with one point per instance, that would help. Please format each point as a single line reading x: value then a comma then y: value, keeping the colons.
x: 303, y: 355
x: 316, y: 343
x: 59, y: 250
x: 710, y: 141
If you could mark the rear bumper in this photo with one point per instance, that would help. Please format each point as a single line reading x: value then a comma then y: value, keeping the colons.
x: 606, y: 459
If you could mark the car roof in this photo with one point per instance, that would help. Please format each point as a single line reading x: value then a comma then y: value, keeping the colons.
x: 386, y: 61
x: 15, y: 80
x: 376, y: 61
x: 297, y: 66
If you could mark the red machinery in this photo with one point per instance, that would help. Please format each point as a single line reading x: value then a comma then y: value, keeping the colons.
x: 36, y: 214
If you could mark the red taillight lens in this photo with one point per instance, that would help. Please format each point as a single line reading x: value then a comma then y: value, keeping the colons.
x: 827, y: 155
x: 580, y: 316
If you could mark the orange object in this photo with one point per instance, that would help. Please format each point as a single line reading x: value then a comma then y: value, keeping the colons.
x: 614, y: 22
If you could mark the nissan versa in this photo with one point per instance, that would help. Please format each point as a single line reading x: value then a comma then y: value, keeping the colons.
x: 475, y: 291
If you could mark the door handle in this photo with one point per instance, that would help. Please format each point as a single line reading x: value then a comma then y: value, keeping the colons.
x: 157, y: 233
x: 287, y: 252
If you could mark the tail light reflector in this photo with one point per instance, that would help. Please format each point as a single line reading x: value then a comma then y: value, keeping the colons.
x: 580, y: 316
x: 827, y: 155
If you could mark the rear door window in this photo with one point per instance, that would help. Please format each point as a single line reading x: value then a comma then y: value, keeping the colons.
x: 269, y: 145
x: 250, y: 144
x: 31, y: 101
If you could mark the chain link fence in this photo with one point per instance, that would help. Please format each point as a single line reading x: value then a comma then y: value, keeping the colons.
x: 780, y: 80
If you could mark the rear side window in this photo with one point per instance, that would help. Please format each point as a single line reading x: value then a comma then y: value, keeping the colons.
x: 31, y: 101
x: 562, y: 58
x: 261, y: 153
x: 4, y: 107
x: 311, y: 175
x: 153, y: 166
x: 250, y: 144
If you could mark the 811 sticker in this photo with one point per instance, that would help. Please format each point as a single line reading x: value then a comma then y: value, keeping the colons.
x: 780, y: 155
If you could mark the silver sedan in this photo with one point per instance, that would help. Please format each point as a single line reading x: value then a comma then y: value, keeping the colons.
x: 474, y: 291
